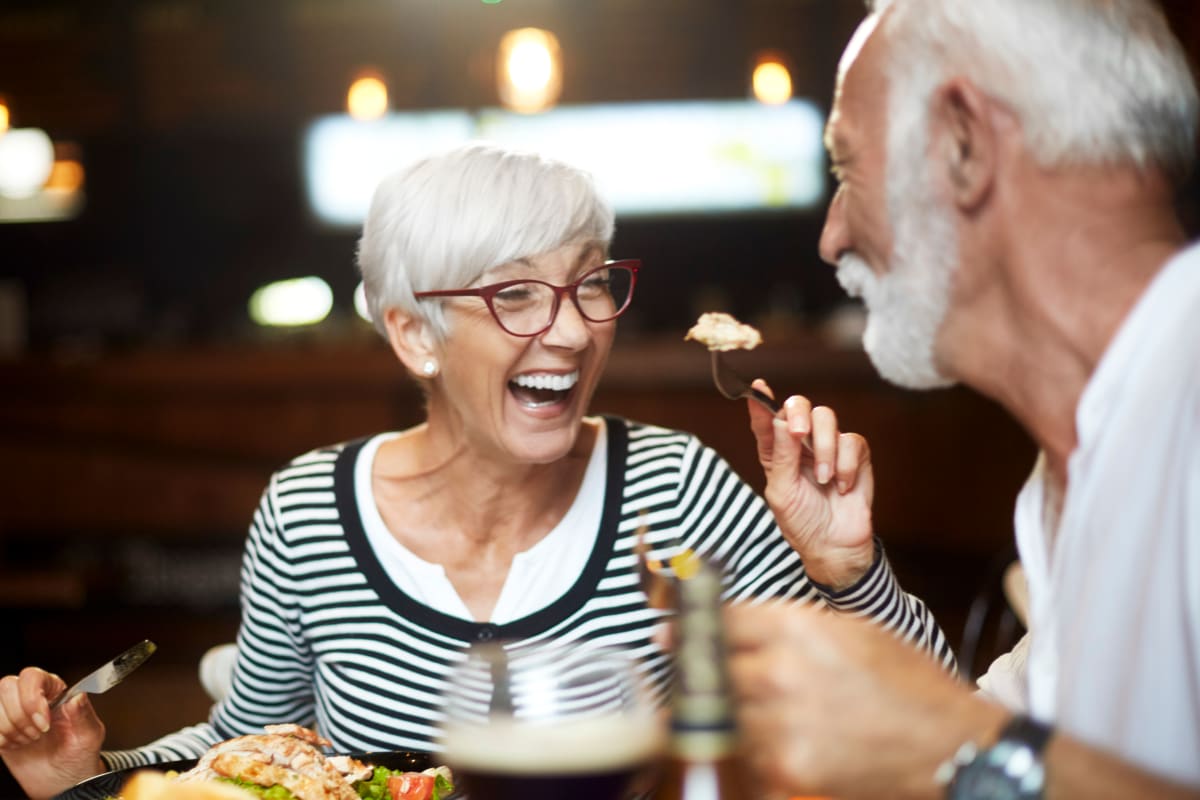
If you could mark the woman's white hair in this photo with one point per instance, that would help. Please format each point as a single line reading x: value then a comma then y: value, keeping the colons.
x: 444, y: 221
x: 1092, y: 81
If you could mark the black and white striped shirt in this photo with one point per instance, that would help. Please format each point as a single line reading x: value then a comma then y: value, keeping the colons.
x: 328, y: 638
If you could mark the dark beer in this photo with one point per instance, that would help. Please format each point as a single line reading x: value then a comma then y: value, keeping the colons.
x: 564, y: 786
x: 589, y: 759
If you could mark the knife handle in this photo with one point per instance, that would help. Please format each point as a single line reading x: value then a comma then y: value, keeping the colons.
x: 66, y: 695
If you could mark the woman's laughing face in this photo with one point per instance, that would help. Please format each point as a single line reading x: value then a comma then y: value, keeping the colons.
x: 522, y: 399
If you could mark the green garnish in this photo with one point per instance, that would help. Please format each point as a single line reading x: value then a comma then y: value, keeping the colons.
x: 275, y: 792
x: 376, y: 788
x: 441, y: 787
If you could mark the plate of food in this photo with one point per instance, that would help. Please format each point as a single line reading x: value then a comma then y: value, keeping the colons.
x: 285, y: 763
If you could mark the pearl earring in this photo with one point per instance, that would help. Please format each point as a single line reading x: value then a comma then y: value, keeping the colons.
x: 430, y: 368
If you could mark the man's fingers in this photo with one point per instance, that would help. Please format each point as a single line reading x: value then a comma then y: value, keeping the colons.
x: 748, y: 626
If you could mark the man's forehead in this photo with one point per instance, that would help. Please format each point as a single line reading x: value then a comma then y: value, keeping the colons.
x: 861, y: 82
x: 855, y: 46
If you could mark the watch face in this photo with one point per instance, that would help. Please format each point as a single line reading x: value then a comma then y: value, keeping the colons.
x: 979, y: 781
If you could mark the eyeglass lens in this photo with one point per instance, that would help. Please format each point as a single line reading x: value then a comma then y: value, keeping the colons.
x: 527, y: 308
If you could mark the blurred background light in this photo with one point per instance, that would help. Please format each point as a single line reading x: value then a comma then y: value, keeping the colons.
x: 772, y: 82
x: 3, y: 115
x: 529, y: 69
x: 360, y: 302
x: 66, y: 176
x: 344, y: 160
x: 367, y: 98
x: 292, y: 302
x: 26, y: 159
x: 657, y: 158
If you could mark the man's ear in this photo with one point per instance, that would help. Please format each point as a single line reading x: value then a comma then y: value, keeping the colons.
x: 411, y: 339
x: 964, y: 144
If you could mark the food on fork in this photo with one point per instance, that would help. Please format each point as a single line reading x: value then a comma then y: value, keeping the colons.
x: 717, y: 330
x: 287, y: 762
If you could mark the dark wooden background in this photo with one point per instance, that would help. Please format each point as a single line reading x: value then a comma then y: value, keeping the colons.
x: 142, y: 416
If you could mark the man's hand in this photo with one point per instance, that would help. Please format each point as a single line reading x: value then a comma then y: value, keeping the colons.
x: 821, y: 500
x: 835, y: 706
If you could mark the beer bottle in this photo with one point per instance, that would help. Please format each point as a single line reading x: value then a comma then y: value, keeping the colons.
x: 702, y: 760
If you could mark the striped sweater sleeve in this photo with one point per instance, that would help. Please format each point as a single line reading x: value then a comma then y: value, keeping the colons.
x: 728, y: 522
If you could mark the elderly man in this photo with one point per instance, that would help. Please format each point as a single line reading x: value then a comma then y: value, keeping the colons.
x: 1005, y: 209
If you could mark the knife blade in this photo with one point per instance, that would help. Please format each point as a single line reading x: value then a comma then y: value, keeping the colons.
x: 110, y: 674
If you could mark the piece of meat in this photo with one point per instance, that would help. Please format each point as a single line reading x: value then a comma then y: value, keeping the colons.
x: 289, y: 759
x: 353, y: 769
x: 299, y: 732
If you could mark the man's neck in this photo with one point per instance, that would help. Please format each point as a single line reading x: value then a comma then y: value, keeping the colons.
x: 1072, y: 253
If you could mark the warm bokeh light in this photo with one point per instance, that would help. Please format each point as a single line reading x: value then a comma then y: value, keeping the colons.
x: 65, y: 176
x: 772, y: 82
x: 529, y: 70
x: 292, y: 302
x: 367, y: 97
x: 3, y: 115
x: 26, y: 159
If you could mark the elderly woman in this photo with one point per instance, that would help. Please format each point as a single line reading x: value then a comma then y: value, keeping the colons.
x: 509, y: 513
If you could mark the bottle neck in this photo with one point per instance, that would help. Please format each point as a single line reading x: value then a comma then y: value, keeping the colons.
x: 703, y: 726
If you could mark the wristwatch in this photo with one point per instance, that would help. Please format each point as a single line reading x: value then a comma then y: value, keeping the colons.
x: 1011, y: 769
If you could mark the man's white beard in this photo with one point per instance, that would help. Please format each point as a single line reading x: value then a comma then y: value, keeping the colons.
x: 906, y: 306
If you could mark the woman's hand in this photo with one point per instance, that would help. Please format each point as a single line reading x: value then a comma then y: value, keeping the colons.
x: 47, y: 752
x: 821, y: 500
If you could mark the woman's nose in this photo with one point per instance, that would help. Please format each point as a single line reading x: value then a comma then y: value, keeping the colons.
x: 569, y: 327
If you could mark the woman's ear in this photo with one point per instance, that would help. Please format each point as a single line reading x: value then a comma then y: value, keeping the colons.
x: 964, y: 141
x: 412, y: 341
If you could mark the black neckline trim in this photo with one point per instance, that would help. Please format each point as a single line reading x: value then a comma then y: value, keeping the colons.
x: 400, y: 602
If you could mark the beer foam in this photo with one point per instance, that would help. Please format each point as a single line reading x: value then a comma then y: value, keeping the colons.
x: 596, y: 744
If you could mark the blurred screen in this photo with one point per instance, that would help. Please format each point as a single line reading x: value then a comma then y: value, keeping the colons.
x: 673, y: 158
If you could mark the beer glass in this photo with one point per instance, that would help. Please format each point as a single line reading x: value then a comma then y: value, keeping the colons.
x: 548, y: 723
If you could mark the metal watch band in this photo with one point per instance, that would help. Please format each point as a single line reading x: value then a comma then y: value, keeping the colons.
x: 1028, y: 731
x: 1011, y: 769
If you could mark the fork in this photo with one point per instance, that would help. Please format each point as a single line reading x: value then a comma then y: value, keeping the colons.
x: 735, y: 387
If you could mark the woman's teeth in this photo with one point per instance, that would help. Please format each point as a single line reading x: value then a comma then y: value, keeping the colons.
x: 534, y: 390
x: 557, y: 383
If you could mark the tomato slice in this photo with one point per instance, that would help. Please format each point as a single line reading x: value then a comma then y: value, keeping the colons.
x: 410, y: 786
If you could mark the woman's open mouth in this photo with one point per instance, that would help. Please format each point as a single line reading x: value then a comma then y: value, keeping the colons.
x: 540, y: 389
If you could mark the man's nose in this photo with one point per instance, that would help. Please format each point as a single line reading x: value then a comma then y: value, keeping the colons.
x: 834, y: 239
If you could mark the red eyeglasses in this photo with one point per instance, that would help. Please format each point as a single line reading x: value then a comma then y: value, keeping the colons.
x: 528, y: 307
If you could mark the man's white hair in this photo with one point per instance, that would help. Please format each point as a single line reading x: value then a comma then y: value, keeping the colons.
x: 1092, y: 81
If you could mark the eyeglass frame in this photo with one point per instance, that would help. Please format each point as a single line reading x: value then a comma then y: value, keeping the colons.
x: 489, y: 292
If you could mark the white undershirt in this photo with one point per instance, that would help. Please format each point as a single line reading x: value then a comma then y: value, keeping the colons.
x: 538, y: 576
